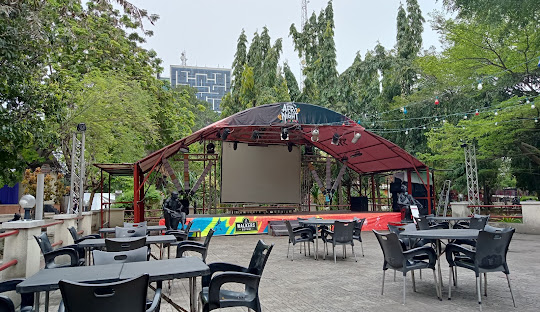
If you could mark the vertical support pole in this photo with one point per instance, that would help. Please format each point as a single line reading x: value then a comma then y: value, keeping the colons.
x: 136, y: 193
x: 71, y: 206
x: 374, y: 208
x: 39, y: 196
x: 101, y: 198
x: 140, y: 205
x: 82, y: 176
x: 409, y: 182
x: 109, y: 206
x: 428, y: 191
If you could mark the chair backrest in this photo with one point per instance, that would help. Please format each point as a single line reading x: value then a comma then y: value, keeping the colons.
x: 491, y: 249
x: 422, y: 222
x: 129, y: 231
x: 358, y: 226
x: 107, y: 257
x: 126, y: 295
x: 259, y: 257
x: 127, y: 224
x: 391, y: 248
x: 343, y: 231
x: 208, y: 238
x: 112, y: 244
x: 478, y: 223
x: 6, y: 305
x: 289, y: 230
x: 73, y: 232
x: 44, y: 243
x: 188, y: 226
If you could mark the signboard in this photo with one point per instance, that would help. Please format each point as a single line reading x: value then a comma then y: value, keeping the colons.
x: 246, y: 226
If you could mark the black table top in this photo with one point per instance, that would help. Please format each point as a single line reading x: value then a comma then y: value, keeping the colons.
x: 442, y: 234
x: 47, y: 279
x: 100, y: 242
x: 149, y: 228
x: 159, y: 270
x: 166, y: 269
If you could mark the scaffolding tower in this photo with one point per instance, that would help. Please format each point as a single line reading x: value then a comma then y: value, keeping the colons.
x: 471, y: 171
x: 76, y: 194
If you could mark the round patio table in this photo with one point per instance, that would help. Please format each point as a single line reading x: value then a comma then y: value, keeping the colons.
x: 439, y: 234
x: 317, y: 223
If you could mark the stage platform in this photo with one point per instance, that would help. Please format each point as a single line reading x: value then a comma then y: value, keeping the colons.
x: 226, y: 224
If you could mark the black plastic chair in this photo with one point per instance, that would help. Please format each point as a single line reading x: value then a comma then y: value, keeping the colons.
x: 357, y: 233
x: 405, y: 261
x: 76, y: 254
x: 201, y: 248
x: 213, y: 296
x: 424, y: 224
x: 114, y: 245
x: 126, y: 295
x: 6, y: 305
x: 489, y: 256
x: 130, y: 231
x: 106, y: 257
x: 477, y: 222
x: 342, y: 235
x: 407, y: 243
x: 181, y: 235
x: 77, y: 238
x: 298, y: 235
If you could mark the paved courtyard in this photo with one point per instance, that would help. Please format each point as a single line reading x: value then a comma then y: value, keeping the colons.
x: 309, y: 285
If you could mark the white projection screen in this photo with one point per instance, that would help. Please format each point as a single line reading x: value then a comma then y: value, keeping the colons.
x: 260, y: 174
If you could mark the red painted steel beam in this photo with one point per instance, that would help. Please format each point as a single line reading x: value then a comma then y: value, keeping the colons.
x: 8, y: 264
x: 6, y: 234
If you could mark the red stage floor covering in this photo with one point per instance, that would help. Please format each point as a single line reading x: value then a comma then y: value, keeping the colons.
x: 259, y: 224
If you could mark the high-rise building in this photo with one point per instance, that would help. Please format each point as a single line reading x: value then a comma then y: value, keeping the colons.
x: 211, y: 83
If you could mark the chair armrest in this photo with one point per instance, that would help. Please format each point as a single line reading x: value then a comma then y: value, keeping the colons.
x: 72, y: 253
x: 425, y: 250
x: 10, y: 285
x: 452, y: 249
x: 156, y: 301
x: 179, y: 234
x: 189, y: 243
x: 188, y: 247
x: 221, y: 267
x: 248, y: 279
x: 300, y: 231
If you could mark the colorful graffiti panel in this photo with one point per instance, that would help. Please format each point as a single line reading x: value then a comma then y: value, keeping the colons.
x: 250, y: 224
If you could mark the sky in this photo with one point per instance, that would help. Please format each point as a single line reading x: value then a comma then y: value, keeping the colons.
x: 208, y: 30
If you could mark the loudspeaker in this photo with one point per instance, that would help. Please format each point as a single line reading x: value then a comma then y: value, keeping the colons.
x: 359, y: 203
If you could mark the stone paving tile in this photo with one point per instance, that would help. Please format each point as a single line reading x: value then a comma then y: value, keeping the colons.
x: 306, y: 284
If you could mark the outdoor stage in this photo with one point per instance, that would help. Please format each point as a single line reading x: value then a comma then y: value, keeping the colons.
x: 259, y: 224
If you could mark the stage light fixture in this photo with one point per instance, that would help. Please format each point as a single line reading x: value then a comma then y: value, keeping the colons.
x: 235, y: 146
x: 225, y: 133
x: 308, y: 150
x: 355, y: 138
x: 284, y: 134
x: 290, y: 146
x: 184, y: 149
x: 255, y: 135
x: 210, y: 148
x: 335, y: 139
x: 315, y: 135
x: 357, y: 154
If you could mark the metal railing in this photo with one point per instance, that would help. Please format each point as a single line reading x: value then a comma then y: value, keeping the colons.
x: 11, y: 262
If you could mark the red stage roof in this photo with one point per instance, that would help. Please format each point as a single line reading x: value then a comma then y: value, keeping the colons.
x: 370, y: 154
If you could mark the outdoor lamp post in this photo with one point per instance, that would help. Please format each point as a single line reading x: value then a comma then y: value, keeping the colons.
x: 27, y: 202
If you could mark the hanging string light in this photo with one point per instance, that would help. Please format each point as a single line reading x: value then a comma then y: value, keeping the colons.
x: 407, y: 131
x: 496, y: 113
x: 480, y: 86
x: 436, y: 100
x: 465, y: 116
x: 477, y: 112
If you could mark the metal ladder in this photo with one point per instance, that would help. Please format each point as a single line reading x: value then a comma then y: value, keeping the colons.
x: 444, y: 199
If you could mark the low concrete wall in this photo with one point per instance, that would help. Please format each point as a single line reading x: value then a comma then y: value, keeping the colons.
x: 460, y: 209
x: 520, y: 227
